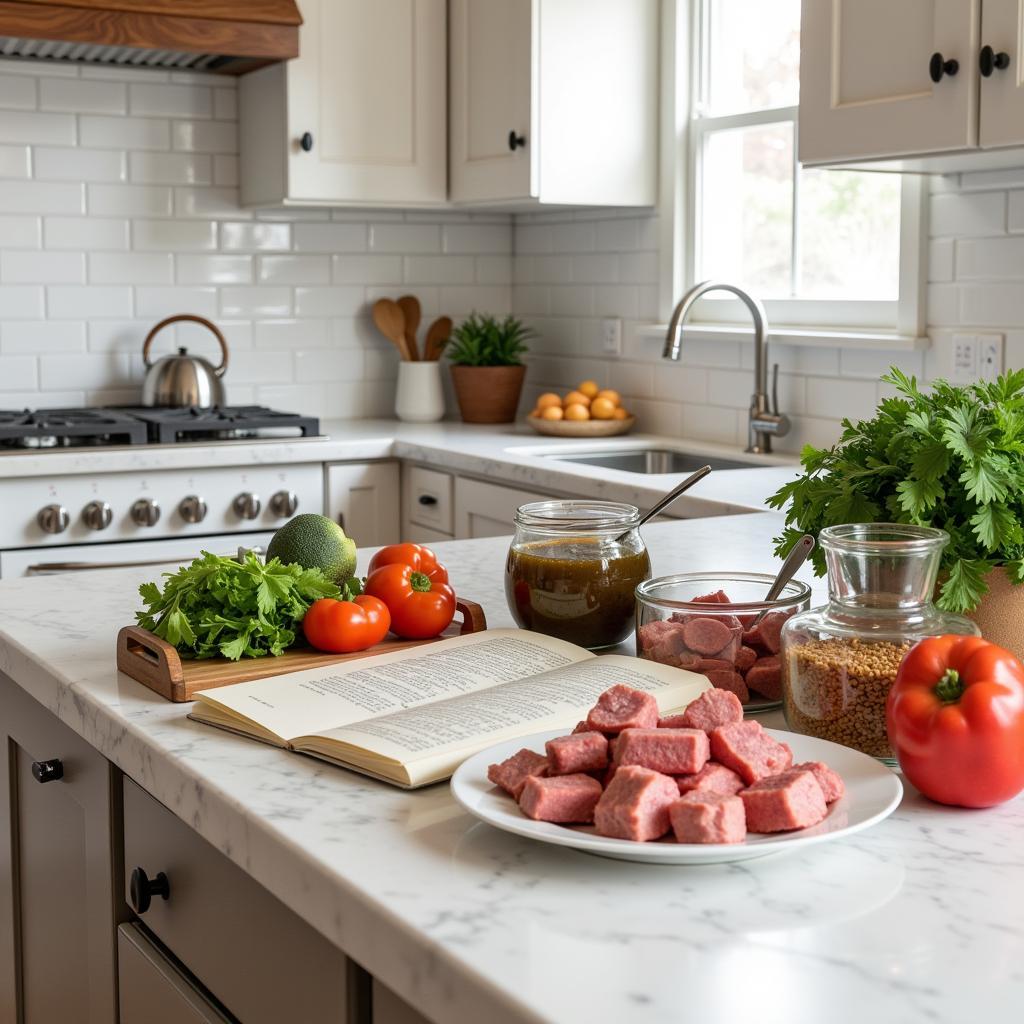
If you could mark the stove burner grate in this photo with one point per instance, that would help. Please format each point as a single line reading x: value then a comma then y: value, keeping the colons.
x: 66, y: 428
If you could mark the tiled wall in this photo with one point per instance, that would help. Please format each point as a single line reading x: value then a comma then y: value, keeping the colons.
x: 119, y: 206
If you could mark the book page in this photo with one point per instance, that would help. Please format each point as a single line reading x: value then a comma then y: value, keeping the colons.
x: 325, y: 698
x: 430, y: 741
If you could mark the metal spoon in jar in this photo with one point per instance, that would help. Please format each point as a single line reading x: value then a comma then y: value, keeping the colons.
x: 668, y: 499
x: 796, y: 557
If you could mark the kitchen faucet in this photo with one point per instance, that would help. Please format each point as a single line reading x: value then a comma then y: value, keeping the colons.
x: 763, y: 422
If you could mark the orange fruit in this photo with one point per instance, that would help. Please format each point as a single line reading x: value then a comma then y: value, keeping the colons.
x: 551, y: 412
x: 577, y: 411
x: 612, y: 396
x: 548, y: 399
x: 589, y: 388
x: 620, y: 414
x: 602, y: 409
x: 575, y: 398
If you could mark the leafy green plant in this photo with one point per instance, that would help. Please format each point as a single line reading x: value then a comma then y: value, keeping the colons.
x: 223, y: 606
x: 951, y: 457
x: 483, y: 340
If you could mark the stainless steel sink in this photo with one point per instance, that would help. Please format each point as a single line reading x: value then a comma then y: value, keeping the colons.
x: 649, y: 460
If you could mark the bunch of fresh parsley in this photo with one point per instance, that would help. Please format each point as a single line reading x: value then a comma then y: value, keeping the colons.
x: 232, y: 608
x: 951, y: 457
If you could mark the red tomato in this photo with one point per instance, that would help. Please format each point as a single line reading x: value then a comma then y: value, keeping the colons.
x: 419, y: 608
x: 956, y: 720
x: 343, y: 627
x: 420, y: 558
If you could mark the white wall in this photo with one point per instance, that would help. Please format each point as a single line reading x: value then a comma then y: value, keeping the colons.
x: 119, y: 206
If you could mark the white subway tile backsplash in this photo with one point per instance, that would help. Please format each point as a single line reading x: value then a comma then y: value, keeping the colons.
x: 329, y: 364
x: 28, y: 127
x: 77, y: 96
x: 125, y: 132
x: 214, y: 268
x: 257, y: 300
x: 439, y: 269
x: 39, y: 336
x: 294, y: 269
x: 17, y: 93
x: 171, y: 235
x: 171, y: 168
x: 280, y: 335
x: 162, y: 100
x: 617, y: 235
x: 131, y: 268
x: 42, y: 267
x: 366, y: 269
x: 205, y: 136
x: 64, y: 164
x: 15, y: 162
x: 992, y: 305
x: 21, y: 302
x: 18, y: 373
x: 225, y: 170
x: 157, y: 302
x: 971, y: 214
x: 42, y: 197
x: 82, y: 302
x: 105, y: 335
x: 405, y: 238
x: 209, y: 202
x: 225, y: 104
x: 477, y: 238
x: 129, y: 200
x: 940, y: 259
x: 336, y: 301
x: 989, y: 259
x: 262, y: 368
x: 84, y: 371
x: 330, y: 237
x: 254, y: 236
x: 494, y: 269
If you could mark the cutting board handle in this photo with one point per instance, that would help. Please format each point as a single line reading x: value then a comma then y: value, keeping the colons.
x: 150, y: 660
x: 473, y: 620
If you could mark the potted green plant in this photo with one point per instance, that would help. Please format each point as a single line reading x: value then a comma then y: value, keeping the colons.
x: 487, y: 367
x: 948, y: 456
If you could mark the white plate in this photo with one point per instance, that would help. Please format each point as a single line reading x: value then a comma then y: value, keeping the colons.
x: 873, y: 792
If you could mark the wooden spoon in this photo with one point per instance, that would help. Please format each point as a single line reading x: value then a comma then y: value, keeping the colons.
x: 437, y: 337
x: 410, y: 307
x: 390, y: 321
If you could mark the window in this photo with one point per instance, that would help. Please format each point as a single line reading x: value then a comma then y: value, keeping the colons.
x: 819, y: 247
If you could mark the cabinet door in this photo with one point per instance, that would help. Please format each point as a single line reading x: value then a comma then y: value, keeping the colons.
x: 487, y: 510
x: 865, y: 87
x: 491, y: 68
x: 370, y: 89
x: 1002, y: 92
x: 58, y: 904
x: 363, y: 498
x: 391, y: 1009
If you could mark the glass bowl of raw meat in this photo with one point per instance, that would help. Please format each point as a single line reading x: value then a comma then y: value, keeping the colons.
x: 719, y: 625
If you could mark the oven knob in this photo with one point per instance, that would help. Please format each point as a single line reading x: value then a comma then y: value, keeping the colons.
x: 145, y: 512
x: 53, y: 518
x: 192, y: 509
x: 247, y: 505
x: 97, y: 515
x: 284, y: 504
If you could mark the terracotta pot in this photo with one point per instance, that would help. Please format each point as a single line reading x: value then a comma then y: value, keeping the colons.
x: 488, y: 394
x: 1000, y: 616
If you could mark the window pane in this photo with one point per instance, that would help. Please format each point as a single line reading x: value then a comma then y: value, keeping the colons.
x: 754, y: 59
x: 747, y: 209
x: 849, y: 235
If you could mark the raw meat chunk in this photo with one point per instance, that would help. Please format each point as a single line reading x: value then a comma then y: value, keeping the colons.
x: 621, y: 707
x: 513, y: 772
x: 708, y: 818
x: 581, y: 752
x: 711, y: 664
x: 727, y: 679
x: 712, y: 709
x: 635, y: 804
x: 749, y: 751
x: 829, y: 779
x: 765, y: 676
x: 706, y: 635
x: 672, y: 751
x: 782, y: 802
x: 651, y: 632
x: 565, y: 798
x: 581, y: 727
x: 745, y: 658
x: 718, y: 597
x: 712, y: 778
x: 766, y: 633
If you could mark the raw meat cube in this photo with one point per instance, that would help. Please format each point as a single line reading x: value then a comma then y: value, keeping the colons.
x: 727, y: 679
x: 581, y: 727
x: 745, y: 658
x: 706, y: 635
x: 672, y: 722
x: 672, y: 751
x: 785, y: 801
x: 581, y: 752
x: 766, y: 677
x: 513, y: 772
x: 635, y: 804
x: 621, y: 707
x: 710, y: 664
x: 651, y: 632
x: 766, y: 633
x: 749, y: 751
x: 718, y: 597
x: 684, y: 659
x: 712, y: 709
x: 565, y: 798
x: 829, y: 779
x: 712, y: 778
x: 708, y: 818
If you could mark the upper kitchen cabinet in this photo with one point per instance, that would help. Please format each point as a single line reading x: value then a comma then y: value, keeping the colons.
x: 553, y: 101
x: 919, y: 85
x: 359, y: 117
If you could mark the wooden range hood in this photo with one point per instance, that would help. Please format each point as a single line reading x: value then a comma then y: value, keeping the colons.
x: 226, y: 36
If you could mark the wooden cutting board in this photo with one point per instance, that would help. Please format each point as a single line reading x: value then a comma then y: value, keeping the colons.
x: 157, y: 664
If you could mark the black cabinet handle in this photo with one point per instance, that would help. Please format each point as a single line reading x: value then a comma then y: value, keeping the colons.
x: 48, y: 771
x: 142, y: 889
x: 427, y: 499
x: 306, y: 142
x: 989, y: 61
x: 515, y: 141
x: 938, y: 66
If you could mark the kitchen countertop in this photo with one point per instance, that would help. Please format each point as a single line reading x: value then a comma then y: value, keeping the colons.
x: 508, y: 453
x: 918, y: 919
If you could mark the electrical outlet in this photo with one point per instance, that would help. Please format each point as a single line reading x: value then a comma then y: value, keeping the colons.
x: 990, y: 356
x: 611, y: 336
x: 965, y: 358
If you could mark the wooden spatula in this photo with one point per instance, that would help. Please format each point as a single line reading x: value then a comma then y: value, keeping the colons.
x: 410, y: 307
x: 437, y: 337
x: 390, y: 321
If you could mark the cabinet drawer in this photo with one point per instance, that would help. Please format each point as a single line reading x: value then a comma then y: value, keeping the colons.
x: 243, y: 944
x: 428, y: 498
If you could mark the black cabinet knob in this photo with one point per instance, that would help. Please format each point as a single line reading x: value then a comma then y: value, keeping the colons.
x: 938, y: 66
x: 306, y: 142
x: 48, y: 771
x: 142, y: 889
x: 989, y: 61
x: 515, y: 141
x: 427, y: 499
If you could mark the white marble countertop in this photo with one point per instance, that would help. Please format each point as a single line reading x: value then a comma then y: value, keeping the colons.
x: 920, y: 919
x: 509, y: 453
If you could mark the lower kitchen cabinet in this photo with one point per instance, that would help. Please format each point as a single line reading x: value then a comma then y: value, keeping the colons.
x: 364, y: 498
x: 488, y: 510
x: 391, y: 1009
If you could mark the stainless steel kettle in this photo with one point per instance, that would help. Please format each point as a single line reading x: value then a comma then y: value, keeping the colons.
x: 183, y: 380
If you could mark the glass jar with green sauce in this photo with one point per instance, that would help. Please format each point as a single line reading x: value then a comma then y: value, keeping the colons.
x: 573, y: 569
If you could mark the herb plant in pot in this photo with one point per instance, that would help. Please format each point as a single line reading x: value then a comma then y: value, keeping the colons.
x: 950, y: 457
x: 487, y: 369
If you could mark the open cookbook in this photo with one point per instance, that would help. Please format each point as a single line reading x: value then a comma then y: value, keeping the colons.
x: 412, y: 717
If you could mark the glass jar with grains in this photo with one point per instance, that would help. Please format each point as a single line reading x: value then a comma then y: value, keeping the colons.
x: 839, y: 661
